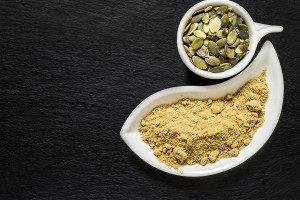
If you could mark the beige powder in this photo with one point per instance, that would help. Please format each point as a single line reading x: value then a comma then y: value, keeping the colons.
x: 192, y: 131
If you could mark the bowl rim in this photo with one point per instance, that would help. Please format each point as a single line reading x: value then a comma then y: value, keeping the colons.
x: 241, y: 64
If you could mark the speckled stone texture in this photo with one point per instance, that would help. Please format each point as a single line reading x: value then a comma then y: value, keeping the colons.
x: 71, y: 73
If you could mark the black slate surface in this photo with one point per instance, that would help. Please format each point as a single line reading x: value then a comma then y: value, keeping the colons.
x: 71, y: 73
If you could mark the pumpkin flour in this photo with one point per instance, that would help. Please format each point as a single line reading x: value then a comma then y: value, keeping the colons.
x: 192, y: 131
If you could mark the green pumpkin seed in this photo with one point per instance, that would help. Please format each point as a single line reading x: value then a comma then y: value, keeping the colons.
x: 197, y: 18
x: 234, y: 19
x: 212, y: 60
x: 219, y: 34
x: 230, y: 14
x: 229, y: 52
x: 222, y: 10
x: 225, y: 31
x: 199, y: 62
x: 192, y: 28
x: 205, y: 18
x: 192, y: 38
x: 224, y: 20
x: 212, y: 13
x: 208, y: 8
x: 197, y: 43
x: 187, y: 27
x: 213, y: 38
x: 213, y: 48
x: 242, y: 48
x: 206, y: 42
x: 216, y: 69
x: 221, y: 43
x: 222, y: 52
x: 222, y: 59
x: 203, y: 52
x: 216, y: 8
x: 200, y: 34
x: 243, y: 27
x: 200, y: 26
x: 243, y: 34
x: 198, y: 12
x: 237, y: 42
x: 189, y: 51
x: 226, y: 66
x: 186, y: 39
x: 232, y: 36
x: 239, y: 20
x: 240, y: 56
x: 233, y: 61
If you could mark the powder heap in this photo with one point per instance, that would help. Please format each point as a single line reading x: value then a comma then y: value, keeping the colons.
x: 192, y: 131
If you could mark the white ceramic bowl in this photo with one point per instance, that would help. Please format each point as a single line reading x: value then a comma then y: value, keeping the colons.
x: 256, y: 32
x: 267, y: 58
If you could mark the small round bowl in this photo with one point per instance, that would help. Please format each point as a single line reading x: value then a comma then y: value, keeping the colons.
x: 256, y: 32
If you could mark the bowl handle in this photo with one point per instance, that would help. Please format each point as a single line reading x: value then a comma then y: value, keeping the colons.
x: 264, y: 29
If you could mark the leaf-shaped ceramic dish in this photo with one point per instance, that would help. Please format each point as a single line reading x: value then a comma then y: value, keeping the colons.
x: 267, y: 58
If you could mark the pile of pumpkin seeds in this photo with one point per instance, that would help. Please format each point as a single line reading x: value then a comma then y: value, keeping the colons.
x: 216, y: 38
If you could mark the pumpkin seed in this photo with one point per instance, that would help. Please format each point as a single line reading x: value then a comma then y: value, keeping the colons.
x: 219, y: 34
x: 186, y: 28
x: 208, y: 8
x: 221, y: 43
x: 192, y: 28
x: 237, y: 42
x: 227, y: 65
x: 224, y: 20
x: 232, y: 36
x: 222, y: 10
x: 197, y: 43
x: 242, y: 48
x: 200, y: 34
x: 200, y: 26
x: 203, y: 52
x: 197, y: 18
x: 229, y: 8
x: 222, y: 52
x: 213, y: 48
x: 243, y: 34
x: 189, y: 51
x: 233, y: 61
x: 216, y: 8
x: 212, y: 60
x: 216, y: 69
x: 186, y: 39
x: 199, y: 62
x: 215, y: 25
x: 213, y: 38
x: 206, y: 42
x: 206, y: 28
x: 243, y: 27
x: 234, y: 19
x: 240, y: 56
x: 225, y: 31
x: 222, y: 59
x: 229, y: 52
x: 239, y: 20
x: 198, y: 12
x: 212, y: 13
x: 192, y: 38
x: 205, y: 18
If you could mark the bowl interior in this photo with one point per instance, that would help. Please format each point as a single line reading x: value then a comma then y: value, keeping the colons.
x: 242, y: 64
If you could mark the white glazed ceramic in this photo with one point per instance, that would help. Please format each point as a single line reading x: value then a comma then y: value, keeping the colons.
x: 267, y: 58
x: 256, y: 32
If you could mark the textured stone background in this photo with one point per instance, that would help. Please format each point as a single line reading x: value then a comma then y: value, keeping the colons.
x: 71, y: 73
